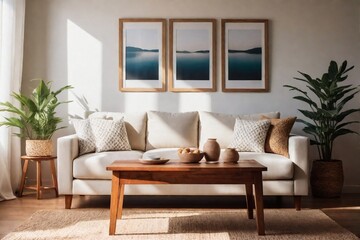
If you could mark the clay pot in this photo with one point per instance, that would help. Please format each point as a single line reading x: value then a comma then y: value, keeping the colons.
x: 211, y: 150
x: 39, y: 148
x: 230, y: 155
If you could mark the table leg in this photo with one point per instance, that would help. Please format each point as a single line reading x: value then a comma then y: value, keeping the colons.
x: 121, y: 200
x: 38, y: 179
x: 22, y: 183
x: 53, y: 175
x: 259, y: 203
x: 249, y: 201
x: 114, y: 203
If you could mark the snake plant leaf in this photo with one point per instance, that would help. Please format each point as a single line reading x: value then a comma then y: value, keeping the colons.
x: 346, y: 113
x: 341, y: 132
x: 307, y: 100
x: 345, y: 124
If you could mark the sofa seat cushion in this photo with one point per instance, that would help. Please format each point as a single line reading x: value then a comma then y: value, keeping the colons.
x: 93, y: 165
x: 279, y: 167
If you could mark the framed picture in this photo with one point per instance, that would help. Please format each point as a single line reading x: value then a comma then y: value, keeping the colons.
x: 142, y: 55
x: 244, y: 55
x: 192, y: 63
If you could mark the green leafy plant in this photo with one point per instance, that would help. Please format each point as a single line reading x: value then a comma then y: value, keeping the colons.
x: 326, y: 99
x: 35, y: 116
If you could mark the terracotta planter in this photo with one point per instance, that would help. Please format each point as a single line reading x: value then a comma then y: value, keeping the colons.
x: 39, y: 148
x: 327, y: 178
x: 212, y: 150
x: 230, y: 155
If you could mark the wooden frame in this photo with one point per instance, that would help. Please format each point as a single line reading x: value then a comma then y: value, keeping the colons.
x: 142, y: 51
x: 244, y: 43
x: 192, y: 42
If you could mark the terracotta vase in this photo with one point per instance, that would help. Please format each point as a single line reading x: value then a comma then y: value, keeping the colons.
x: 211, y: 150
x: 39, y: 148
x: 230, y: 155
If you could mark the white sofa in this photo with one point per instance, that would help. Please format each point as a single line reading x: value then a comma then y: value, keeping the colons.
x: 162, y: 134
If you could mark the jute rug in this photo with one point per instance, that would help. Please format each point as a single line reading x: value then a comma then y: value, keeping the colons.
x: 179, y: 224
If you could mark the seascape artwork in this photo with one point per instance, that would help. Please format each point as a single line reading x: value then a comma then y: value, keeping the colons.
x: 244, y: 54
x: 142, y: 54
x: 192, y: 54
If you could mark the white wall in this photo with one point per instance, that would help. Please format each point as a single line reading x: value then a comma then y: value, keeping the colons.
x: 76, y: 42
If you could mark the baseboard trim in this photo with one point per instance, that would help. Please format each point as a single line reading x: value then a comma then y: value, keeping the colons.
x: 351, y: 189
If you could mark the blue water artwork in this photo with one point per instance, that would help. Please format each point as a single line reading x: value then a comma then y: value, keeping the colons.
x: 245, y: 55
x: 193, y: 65
x: 244, y: 66
x: 142, y: 64
x: 192, y: 54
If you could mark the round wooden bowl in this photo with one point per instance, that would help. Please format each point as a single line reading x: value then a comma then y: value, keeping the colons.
x: 190, y: 157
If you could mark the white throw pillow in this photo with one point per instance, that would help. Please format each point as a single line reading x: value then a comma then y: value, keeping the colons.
x: 250, y: 135
x: 110, y: 135
x: 172, y: 130
x: 85, y: 135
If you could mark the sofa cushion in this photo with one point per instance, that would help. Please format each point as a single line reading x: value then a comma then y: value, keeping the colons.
x: 277, y: 138
x: 172, y: 130
x: 110, y: 135
x: 250, y: 135
x: 93, y: 165
x: 86, y: 137
x: 224, y: 123
x: 135, y: 124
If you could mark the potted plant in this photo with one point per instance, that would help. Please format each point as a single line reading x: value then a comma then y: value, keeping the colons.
x: 35, y: 117
x: 325, y: 121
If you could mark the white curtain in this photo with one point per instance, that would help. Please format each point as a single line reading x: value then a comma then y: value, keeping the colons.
x: 12, y: 16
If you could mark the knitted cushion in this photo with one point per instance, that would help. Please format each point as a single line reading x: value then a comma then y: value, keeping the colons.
x: 250, y: 135
x: 85, y: 135
x: 110, y: 135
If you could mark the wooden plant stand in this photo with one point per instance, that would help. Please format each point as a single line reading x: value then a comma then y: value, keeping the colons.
x: 38, y: 187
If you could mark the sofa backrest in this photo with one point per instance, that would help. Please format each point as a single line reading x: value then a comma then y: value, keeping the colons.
x: 135, y: 124
x: 221, y: 126
x: 172, y: 130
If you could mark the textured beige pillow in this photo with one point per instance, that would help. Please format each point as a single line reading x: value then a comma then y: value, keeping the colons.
x: 221, y: 126
x: 249, y: 135
x: 278, y: 135
x: 135, y: 123
x: 110, y: 135
x: 172, y: 130
x: 85, y: 135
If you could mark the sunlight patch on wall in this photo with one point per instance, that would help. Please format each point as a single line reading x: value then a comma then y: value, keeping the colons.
x: 84, y: 53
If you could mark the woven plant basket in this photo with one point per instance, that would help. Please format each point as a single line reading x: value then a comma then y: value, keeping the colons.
x: 327, y: 178
x: 39, y: 148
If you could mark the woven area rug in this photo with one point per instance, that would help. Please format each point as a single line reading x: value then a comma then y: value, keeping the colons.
x: 179, y: 224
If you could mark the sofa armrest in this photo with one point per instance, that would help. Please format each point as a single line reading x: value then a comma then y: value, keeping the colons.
x: 298, y: 152
x: 67, y: 151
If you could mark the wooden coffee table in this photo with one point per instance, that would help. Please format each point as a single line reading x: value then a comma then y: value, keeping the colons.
x: 248, y: 172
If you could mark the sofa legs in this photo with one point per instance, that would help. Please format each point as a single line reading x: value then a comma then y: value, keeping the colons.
x: 68, y: 200
x: 297, y: 201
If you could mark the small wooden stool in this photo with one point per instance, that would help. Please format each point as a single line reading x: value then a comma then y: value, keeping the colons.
x: 38, y: 187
